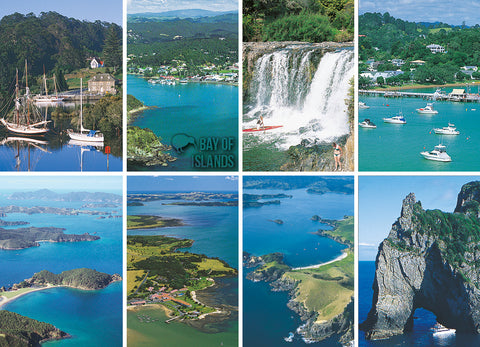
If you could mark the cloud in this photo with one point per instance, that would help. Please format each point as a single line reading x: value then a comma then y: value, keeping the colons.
x: 169, y: 179
x: 363, y: 244
x: 231, y: 178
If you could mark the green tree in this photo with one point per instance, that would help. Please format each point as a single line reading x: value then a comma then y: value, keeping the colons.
x: 61, y: 82
x: 112, y: 50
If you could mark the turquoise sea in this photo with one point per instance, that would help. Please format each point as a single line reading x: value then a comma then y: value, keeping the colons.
x: 267, y: 319
x: 392, y: 147
x: 215, y: 233
x: 93, y: 318
x: 199, y: 110
x: 424, y: 320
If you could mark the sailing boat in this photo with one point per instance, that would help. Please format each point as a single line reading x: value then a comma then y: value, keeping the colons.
x: 27, y: 118
x: 48, y: 98
x: 85, y: 135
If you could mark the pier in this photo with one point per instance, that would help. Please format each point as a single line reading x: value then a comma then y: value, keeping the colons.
x: 428, y: 96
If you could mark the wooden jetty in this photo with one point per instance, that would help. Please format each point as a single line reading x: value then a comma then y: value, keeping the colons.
x: 429, y: 96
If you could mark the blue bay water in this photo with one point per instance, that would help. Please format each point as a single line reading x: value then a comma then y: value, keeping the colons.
x: 195, y: 109
x: 53, y: 158
x: 423, y: 320
x: 267, y: 319
x: 392, y: 147
x: 68, y: 309
x: 92, y: 318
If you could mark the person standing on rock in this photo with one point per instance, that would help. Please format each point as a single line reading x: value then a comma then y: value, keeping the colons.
x: 337, y: 154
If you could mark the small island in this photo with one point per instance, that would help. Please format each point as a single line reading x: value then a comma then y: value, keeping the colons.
x: 148, y: 222
x: 20, y: 238
x: 204, y: 203
x: 190, y: 196
x: 18, y: 330
x: 83, y: 278
x: 160, y: 275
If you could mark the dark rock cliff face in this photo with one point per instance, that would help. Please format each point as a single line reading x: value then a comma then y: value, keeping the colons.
x: 430, y: 260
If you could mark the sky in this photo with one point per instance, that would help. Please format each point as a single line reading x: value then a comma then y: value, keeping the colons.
x: 90, y: 10
x: 380, y: 203
x: 139, y: 6
x: 108, y: 184
x: 446, y: 11
x: 182, y: 183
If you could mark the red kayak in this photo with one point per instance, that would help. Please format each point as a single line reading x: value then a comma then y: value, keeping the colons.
x: 270, y: 127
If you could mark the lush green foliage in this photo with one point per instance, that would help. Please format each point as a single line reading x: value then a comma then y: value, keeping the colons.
x: 49, y: 40
x: 133, y: 103
x: 191, y: 41
x: 302, y: 27
x: 458, y: 233
x: 79, y: 278
x: 17, y: 330
x: 311, y: 20
x: 105, y: 115
x: 383, y: 37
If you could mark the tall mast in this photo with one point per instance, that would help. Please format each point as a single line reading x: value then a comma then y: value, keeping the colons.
x: 17, y: 100
x: 81, y: 105
x: 45, y: 81
x: 27, y: 93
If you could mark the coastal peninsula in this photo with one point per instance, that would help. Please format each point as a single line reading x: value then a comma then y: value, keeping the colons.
x: 325, y: 315
x: 148, y: 222
x: 20, y: 238
x: 159, y: 274
x: 18, y: 330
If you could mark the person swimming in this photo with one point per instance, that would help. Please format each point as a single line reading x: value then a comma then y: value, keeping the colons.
x: 337, y: 153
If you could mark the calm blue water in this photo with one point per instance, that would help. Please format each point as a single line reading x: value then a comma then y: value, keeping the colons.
x: 213, y: 229
x: 267, y: 319
x: 89, y: 316
x: 21, y: 156
x: 424, y: 320
x: 93, y: 318
x: 195, y: 109
x: 392, y: 147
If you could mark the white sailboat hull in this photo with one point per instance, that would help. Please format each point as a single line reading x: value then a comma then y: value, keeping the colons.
x: 24, y: 129
x: 98, y: 137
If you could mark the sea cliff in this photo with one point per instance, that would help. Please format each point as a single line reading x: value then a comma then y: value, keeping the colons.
x: 430, y: 260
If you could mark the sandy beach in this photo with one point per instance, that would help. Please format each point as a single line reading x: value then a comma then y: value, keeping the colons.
x: 340, y: 257
x: 4, y: 300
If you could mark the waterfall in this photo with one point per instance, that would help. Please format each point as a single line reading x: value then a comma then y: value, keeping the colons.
x: 303, y: 91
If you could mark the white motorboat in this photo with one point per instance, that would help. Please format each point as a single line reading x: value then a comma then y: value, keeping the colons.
x: 85, y: 135
x: 427, y: 109
x: 368, y: 124
x: 398, y: 119
x: 362, y: 106
x: 450, y: 130
x: 439, y: 153
x: 439, y: 329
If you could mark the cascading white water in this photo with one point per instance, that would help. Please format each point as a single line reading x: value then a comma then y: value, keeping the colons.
x: 284, y: 93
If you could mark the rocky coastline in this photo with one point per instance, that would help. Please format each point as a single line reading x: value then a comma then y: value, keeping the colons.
x: 429, y: 260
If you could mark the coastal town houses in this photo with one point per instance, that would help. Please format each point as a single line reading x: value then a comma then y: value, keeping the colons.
x: 102, y: 83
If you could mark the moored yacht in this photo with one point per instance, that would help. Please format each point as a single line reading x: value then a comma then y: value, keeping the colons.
x: 449, y: 130
x: 427, y: 109
x: 439, y: 153
x: 398, y: 119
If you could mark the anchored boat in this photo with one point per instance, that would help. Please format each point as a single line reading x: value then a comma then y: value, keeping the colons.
x: 439, y: 153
